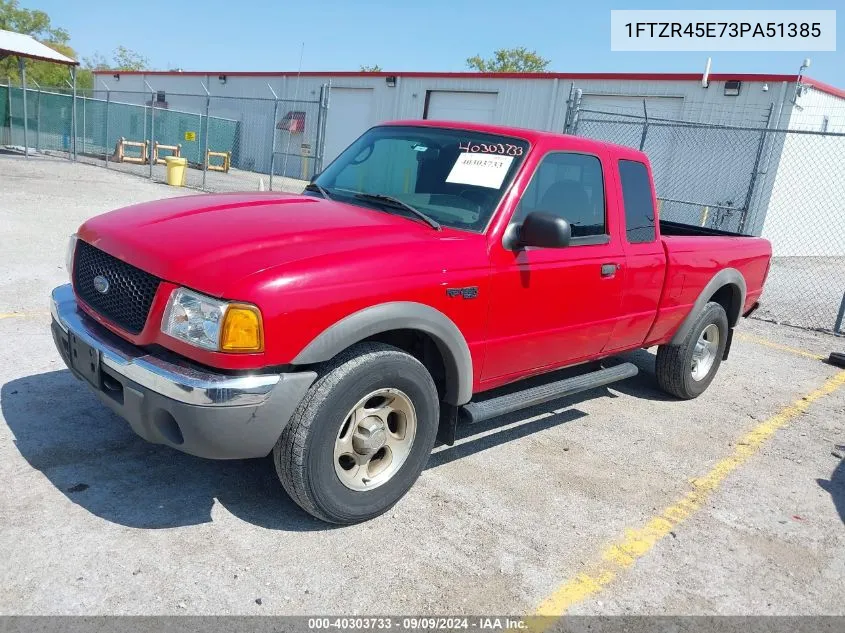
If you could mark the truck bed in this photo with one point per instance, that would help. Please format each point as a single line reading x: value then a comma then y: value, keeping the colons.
x: 693, y: 256
x: 679, y: 229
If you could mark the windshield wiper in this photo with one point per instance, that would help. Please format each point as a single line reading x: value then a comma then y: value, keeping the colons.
x: 396, y: 202
x: 313, y: 186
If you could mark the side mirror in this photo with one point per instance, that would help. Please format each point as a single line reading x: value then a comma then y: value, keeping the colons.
x: 541, y: 229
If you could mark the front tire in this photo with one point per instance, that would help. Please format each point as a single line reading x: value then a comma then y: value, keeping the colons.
x: 361, y: 435
x: 686, y: 370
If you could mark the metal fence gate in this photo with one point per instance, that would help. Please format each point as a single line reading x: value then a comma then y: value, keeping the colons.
x: 786, y: 185
x: 230, y: 143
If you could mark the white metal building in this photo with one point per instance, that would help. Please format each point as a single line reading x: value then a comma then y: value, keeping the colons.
x: 359, y: 100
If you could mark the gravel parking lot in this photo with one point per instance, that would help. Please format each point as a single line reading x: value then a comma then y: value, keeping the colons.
x: 620, y: 500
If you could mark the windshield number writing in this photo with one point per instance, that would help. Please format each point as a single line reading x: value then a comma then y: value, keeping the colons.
x: 506, y: 149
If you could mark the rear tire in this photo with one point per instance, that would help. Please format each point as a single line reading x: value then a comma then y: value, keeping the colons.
x: 686, y: 369
x: 361, y: 436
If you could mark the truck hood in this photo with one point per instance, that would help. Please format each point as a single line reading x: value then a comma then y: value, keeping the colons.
x: 212, y: 242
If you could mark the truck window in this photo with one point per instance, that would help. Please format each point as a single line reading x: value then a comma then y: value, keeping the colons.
x: 639, y: 205
x: 455, y: 176
x: 570, y: 186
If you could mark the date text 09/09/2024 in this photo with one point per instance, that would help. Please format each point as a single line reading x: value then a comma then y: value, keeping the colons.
x: 482, y: 623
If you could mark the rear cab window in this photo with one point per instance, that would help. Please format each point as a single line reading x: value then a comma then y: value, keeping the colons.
x: 638, y: 201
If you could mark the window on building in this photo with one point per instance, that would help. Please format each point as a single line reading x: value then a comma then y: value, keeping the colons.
x: 570, y: 186
x: 160, y: 96
x: 639, y: 204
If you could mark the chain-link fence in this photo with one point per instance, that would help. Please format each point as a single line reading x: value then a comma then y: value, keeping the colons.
x: 786, y: 185
x: 229, y: 143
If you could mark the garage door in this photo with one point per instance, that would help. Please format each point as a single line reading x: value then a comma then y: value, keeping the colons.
x: 350, y: 115
x: 474, y: 107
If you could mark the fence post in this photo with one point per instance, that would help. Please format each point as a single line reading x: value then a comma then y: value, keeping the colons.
x: 38, y: 118
x: 576, y: 111
x: 326, y: 92
x: 199, y: 138
x: 318, y: 140
x: 567, y: 121
x: 746, y: 207
x: 106, y: 140
x: 645, y: 127
x: 152, y: 135
x: 84, y: 123
x: 205, y: 143
x: 74, y: 127
x: 9, y: 91
x: 22, y: 71
x: 273, y: 132
x: 152, y: 125
x: 837, y: 327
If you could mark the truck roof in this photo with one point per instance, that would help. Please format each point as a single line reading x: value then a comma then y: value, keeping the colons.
x: 535, y: 137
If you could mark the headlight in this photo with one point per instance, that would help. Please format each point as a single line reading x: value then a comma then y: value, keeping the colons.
x: 71, y: 248
x: 213, y: 324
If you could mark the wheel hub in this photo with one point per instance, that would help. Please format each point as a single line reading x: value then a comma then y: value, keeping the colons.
x: 375, y: 439
x: 369, y: 436
x: 705, y: 351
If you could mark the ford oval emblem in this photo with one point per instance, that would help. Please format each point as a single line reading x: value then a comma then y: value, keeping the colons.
x: 101, y: 284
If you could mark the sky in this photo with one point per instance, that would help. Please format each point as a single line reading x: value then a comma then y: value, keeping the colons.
x: 398, y: 35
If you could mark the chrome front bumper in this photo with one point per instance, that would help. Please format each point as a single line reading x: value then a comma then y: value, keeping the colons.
x: 174, y: 381
x: 197, y: 411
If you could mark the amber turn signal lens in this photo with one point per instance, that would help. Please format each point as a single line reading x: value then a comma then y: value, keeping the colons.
x: 242, y: 329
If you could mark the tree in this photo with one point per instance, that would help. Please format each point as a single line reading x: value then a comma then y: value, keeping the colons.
x: 510, y: 60
x: 126, y: 59
x: 30, y: 22
x: 122, y: 59
x: 37, y: 24
x: 375, y: 68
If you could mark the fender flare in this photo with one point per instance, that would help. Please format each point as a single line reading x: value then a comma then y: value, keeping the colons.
x: 725, y: 277
x: 400, y: 315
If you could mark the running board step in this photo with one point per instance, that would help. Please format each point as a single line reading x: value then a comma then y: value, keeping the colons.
x: 473, y: 412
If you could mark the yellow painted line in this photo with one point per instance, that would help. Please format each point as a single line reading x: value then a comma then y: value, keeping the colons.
x: 783, y: 348
x: 637, y: 542
x: 23, y: 315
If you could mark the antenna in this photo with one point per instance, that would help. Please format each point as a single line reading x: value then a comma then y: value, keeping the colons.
x: 705, y: 78
x: 799, y: 87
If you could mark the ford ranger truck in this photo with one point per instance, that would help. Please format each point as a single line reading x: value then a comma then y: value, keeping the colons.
x: 343, y: 330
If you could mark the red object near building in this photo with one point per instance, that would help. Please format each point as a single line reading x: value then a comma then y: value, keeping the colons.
x: 293, y: 122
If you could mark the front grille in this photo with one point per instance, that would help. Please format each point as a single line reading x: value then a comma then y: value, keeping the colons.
x: 130, y: 291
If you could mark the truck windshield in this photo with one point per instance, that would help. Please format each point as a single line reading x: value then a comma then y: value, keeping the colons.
x: 455, y: 177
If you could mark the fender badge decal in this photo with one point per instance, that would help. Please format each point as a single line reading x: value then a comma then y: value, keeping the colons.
x: 470, y: 292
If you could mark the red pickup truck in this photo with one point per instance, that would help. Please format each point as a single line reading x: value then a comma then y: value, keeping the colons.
x: 344, y: 329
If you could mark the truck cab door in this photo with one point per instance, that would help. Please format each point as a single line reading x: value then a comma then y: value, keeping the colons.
x: 552, y: 307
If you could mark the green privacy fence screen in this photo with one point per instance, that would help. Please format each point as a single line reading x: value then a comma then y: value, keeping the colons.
x: 102, y: 122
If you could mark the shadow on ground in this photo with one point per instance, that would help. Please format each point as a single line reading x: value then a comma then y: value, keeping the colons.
x: 92, y: 456
x: 836, y: 487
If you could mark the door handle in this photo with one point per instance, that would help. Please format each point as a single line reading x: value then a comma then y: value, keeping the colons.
x: 609, y: 270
